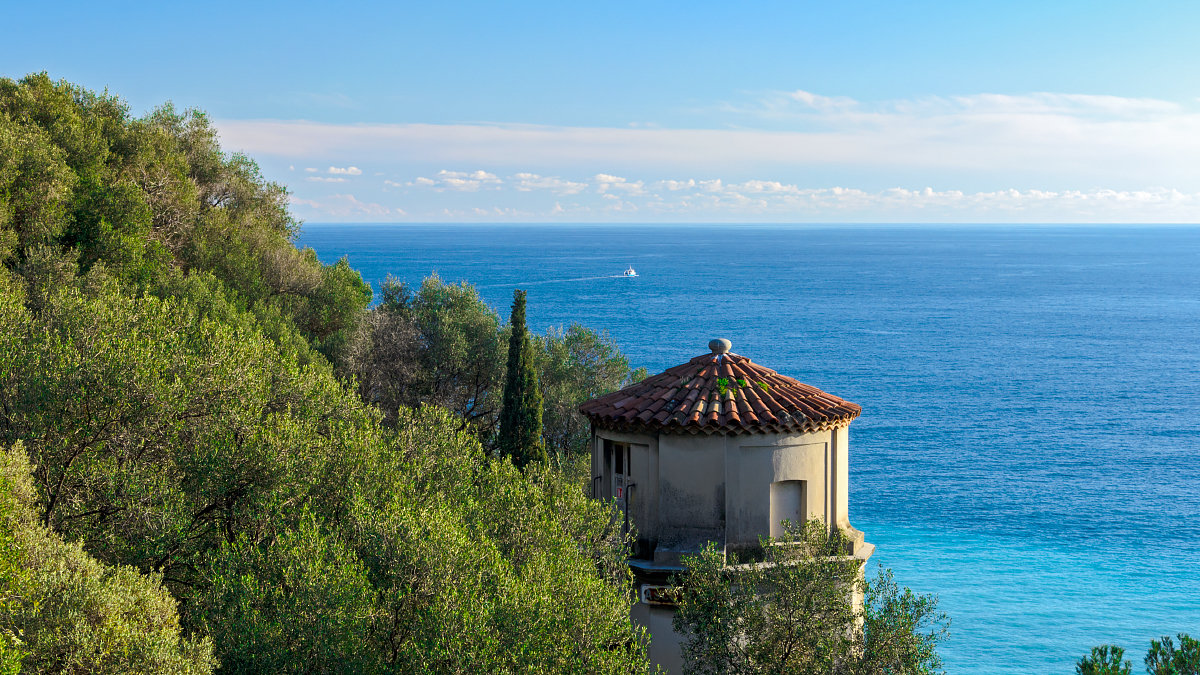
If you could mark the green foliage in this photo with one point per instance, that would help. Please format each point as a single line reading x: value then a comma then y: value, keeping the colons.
x: 35, y: 186
x: 794, y: 611
x: 171, y: 434
x: 901, y: 629
x: 305, y: 577
x: 64, y: 612
x: 574, y: 366
x: 1164, y: 658
x: 520, y: 436
x: 504, y: 574
x: 73, y: 147
x: 437, y: 345
x: 147, y: 198
x: 161, y: 344
x: 1104, y: 660
x: 446, y: 561
x: 440, y: 344
x: 155, y: 428
x: 723, y: 385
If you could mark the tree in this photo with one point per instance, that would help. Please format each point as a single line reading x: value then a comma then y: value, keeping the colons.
x: 149, y: 198
x: 62, y: 611
x: 163, y: 371
x: 438, y: 344
x: 521, y: 415
x: 299, y: 601
x: 793, y: 610
x: 575, y: 365
x: 1163, y: 658
x: 157, y: 430
x: 173, y: 435
x: 1104, y: 660
x: 901, y: 629
x: 444, y: 561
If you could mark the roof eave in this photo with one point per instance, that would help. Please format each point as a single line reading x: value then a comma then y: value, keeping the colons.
x: 631, y: 426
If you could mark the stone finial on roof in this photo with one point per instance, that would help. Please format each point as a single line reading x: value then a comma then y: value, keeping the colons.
x: 720, y: 345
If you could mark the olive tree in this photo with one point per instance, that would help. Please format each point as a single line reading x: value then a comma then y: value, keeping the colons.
x: 793, y: 609
x: 63, y: 611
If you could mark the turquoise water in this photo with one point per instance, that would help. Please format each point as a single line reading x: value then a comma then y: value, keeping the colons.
x: 1029, y: 447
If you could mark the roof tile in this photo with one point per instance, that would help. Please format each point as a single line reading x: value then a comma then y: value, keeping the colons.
x: 689, y: 399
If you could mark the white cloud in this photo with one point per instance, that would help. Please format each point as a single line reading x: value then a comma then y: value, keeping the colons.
x: 1047, y: 103
x: 768, y: 187
x: 773, y: 200
x: 527, y: 195
x: 788, y: 156
x: 818, y: 102
x: 482, y: 214
x: 460, y: 181
x: 605, y: 182
x: 347, y: 206
x: 712, y: 185
x: 674, y: 185
x: 1059, y: 140
x: 528, y: 182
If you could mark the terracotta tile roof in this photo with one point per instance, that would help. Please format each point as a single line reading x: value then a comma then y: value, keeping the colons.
x: 719, y: 393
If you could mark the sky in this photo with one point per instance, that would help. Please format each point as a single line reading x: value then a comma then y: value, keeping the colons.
x: 831, y: 112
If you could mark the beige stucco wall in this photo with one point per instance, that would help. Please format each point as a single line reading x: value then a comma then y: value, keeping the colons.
x: 691, y: 489
x: 665, y: 644
x: 644, y: 495
x: 841, y: 452
x: 691, y: 499
x: 754, y: 462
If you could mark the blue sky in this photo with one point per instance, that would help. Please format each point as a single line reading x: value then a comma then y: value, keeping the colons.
x: 669, y: 112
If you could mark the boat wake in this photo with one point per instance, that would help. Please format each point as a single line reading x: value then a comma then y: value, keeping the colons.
x: 556, y: 281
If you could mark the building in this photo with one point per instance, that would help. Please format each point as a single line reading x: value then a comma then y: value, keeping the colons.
x: 717, y: 449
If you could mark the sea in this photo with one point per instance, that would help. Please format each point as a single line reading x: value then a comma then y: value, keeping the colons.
x: 1029, y: 447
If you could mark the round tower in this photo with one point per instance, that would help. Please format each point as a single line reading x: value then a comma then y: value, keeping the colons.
x: 718, y: 449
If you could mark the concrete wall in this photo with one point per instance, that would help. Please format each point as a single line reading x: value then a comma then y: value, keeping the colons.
x: 753, y: 463
x: 841, y: 491
x: 691, y: 498
x: 691, y: 489
x: 665, y: 644
x: 643, y: 495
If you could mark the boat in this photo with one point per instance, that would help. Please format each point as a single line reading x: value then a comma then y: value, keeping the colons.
x: 630, y: 273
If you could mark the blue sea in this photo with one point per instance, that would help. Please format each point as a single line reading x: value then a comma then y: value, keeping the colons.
x: 1029, y: 448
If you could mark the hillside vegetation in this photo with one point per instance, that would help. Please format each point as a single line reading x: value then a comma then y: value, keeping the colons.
x: 217, y: 456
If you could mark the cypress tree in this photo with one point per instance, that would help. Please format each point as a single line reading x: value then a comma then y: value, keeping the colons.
x: 521, y: 415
